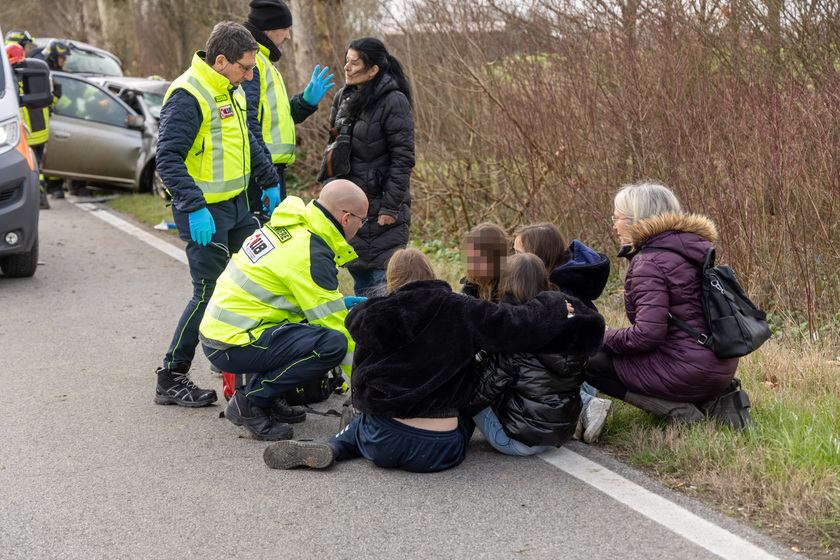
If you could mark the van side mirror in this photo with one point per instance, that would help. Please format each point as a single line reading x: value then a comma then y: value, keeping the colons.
x: 34, y: 74
x: 134, y: 121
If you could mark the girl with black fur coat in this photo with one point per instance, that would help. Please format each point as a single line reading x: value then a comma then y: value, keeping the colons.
x: 414, y: 368
x: 529, y: 403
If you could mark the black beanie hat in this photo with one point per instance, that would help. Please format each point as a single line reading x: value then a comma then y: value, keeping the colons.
x: 270, y: 14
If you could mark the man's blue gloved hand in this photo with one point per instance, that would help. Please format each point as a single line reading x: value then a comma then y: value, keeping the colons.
x: 318, y: 85
x: 350, y: 301
x: 202, y: 226
x: 271, y: 199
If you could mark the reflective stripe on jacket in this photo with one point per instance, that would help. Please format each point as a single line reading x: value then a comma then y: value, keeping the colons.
x: 278, y: 128
x: 219, y: 160
x: 36, y: 123
x: 285, y: 272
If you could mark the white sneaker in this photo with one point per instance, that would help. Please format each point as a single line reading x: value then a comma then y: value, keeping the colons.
x: 578, y: 429
x: 593, y: 417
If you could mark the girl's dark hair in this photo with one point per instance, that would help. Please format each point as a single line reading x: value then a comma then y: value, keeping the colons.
x: 545, y: 241
x: 372, y: 52
x: 526, y: 277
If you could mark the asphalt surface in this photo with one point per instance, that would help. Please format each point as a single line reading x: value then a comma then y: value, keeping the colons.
x: 91, y: 468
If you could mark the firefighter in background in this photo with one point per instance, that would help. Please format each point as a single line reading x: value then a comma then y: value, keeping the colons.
x: 35, y: 122
x: 22, y: 38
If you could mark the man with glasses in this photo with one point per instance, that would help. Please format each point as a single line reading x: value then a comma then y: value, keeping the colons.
x: 272, y: 116
x: 277, y: 312
x: 206, y: 157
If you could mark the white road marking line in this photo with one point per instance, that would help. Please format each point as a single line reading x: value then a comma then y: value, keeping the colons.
x: 176, y: 253
x: 692, y: 527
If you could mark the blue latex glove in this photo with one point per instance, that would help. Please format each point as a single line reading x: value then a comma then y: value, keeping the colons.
x: 318, y: 85
x: 271, y: 198
x: 350, y: 301
x: 202, y: 226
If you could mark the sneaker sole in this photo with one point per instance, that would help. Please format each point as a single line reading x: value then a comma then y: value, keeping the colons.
x: 166, y: 399
x: 290, y: 419
x: 288, y: 454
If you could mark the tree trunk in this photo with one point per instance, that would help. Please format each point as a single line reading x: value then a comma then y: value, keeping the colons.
x: 117, y: 17
x: 91, y: 25
x: 317, y: 38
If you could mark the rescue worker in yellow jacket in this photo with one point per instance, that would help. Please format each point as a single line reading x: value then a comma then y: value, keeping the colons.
x: 277, y: 312
x: 206, y: 156
x: 272, y: 116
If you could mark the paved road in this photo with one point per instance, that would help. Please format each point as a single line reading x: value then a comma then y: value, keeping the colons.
x: 91, y: 468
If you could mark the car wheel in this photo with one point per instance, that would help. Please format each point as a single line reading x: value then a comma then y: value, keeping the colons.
x: 158, y: 189
x: 21, y: 265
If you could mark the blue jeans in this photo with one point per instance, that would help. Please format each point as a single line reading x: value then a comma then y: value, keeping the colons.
x: 489, y: 425
x: 368, y: 283
x: 587, y: 391
x: 392, y: 444
x: 283, y: 357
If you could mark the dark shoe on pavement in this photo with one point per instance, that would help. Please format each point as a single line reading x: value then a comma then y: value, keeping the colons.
x: 44, y: 202
x: 255, y: 419
x: 348, y: 414
x: 282, y: 412
x: 57, y: 194
x: 293, y: 453
x: 176, y: 388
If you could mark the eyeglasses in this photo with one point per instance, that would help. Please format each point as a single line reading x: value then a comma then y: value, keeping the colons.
x: 363, y: 220
x: 246, y: 68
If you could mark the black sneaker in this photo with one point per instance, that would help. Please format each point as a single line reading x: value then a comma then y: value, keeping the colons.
x: 730, y: 408
x: 282, y: 412
x: 293, y: 453
x: 348, y: 414
x: 57, y: 194
x: 176, y: 388
x: 255, y: 419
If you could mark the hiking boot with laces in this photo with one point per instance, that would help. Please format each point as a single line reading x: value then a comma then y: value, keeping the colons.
x: 282, y: 412
x: 255, y: 419
x: 176, y: 388
x: 299, y: 453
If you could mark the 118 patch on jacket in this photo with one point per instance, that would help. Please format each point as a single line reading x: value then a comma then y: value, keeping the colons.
x: 257, y: 246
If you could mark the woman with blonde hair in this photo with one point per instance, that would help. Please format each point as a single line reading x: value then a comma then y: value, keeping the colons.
x: 414, y: 369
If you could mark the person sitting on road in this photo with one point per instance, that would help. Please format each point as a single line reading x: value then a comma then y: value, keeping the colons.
x: 529, y: 403
x: 485, y: 251
x: 277, y: 312
x: 414, y: 369
x: 578, y: 271
x: 653, y: 364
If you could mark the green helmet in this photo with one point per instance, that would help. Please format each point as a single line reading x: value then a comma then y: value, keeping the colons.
x: 22, y: 38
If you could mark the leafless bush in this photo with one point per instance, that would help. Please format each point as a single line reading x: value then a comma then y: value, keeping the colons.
x: 541, y: 112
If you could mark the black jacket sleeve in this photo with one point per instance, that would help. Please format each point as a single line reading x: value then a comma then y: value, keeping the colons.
x: 398, y: 126
x: 180, y: 121
x: 301, y: 110
x: 262, y: 168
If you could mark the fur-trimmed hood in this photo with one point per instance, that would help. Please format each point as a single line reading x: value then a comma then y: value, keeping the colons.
x: 643, y: 230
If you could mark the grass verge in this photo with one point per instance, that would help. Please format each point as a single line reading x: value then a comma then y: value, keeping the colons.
x: 150, y: 210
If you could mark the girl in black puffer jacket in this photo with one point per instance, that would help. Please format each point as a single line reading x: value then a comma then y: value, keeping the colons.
x: 530, y: 403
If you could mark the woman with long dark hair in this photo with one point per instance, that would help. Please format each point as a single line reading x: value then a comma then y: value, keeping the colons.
x: 374, y: 108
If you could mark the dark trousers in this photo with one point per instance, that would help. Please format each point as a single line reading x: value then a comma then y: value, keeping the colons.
x: 234, y: 224
x: 600, y: 373
x: 392, y: 444
x: 284, y: 357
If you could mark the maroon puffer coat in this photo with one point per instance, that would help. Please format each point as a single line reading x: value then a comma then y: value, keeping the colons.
x: 652, y: 357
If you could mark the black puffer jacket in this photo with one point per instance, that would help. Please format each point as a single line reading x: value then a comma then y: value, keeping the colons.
x: 536, y: 397
x: 381, y: 159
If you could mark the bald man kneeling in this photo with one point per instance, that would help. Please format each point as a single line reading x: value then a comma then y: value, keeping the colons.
x: 277, y: 312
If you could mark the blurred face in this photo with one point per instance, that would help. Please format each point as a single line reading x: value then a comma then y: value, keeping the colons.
x: 279, y: 36
x: 355, y: 72
x: 237, y: 71
x: 621, y: 224
x: 60, y: 61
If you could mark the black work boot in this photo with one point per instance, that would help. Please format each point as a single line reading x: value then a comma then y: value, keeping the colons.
x: 176, y: 388
x: 292, y: 453
x: 282, y: 412
x: 255, y: 419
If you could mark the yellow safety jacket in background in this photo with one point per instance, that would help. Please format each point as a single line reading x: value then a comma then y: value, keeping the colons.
x: 285, y: 272
x: 219, y: 160
x: 275, y: 114
x: 36, y: 123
